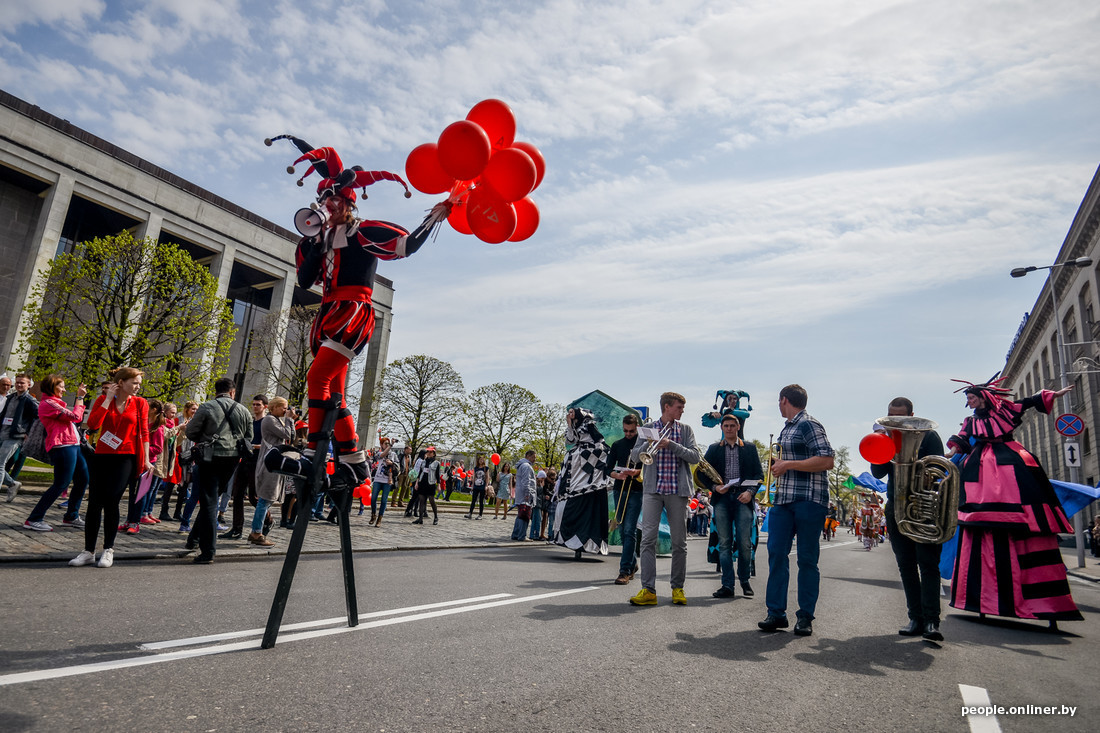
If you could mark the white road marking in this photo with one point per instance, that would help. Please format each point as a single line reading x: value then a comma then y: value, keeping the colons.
x: 839, y: 544
x: 979, y: 697
x: 81, y: 669
x: 172, y: 643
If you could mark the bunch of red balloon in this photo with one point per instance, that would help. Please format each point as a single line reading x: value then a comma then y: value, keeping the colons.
x: 362, y: 491
x: 488, y: 174
x: 877, y: 448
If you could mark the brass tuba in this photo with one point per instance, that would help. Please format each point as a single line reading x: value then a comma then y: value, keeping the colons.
x: 926, y: 491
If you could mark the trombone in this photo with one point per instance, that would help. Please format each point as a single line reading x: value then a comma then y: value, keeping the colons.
x: 624, y: 496
x: 646, y: 456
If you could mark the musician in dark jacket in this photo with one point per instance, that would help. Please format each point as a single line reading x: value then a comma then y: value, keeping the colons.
x: 734, y: 460
x: 918, y: 562
x: 628, y: 497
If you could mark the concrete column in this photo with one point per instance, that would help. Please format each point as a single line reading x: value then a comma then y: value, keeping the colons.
x: 282, y: 298
x: 43, y: 243
x: 222, y: 268
x: 150, y: 227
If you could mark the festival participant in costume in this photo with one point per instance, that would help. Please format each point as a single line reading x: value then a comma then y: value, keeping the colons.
x: 342, y: 257
x: 581, y: 520
x: 868, y: 521
x: 1008, y: 563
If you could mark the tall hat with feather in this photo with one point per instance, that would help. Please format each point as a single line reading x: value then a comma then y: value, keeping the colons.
x: 991, y: 390
x: 335, y: 179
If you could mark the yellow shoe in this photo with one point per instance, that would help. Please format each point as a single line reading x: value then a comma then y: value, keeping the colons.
x: 645, y: 597
x: 678, y: 598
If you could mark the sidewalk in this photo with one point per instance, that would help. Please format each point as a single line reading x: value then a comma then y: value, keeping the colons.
x: 163, y: 541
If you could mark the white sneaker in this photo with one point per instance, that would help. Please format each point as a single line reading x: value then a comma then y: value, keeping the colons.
x: 84, y: 558
x: 38, y: 526
x: 107, y: 559
x: 78, y: 522
x: 13, y: 489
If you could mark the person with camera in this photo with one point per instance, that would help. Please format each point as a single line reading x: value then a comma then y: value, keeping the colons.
x: 222, y: 433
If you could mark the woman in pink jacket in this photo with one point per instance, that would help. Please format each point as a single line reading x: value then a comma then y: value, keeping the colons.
x: 63, y: 445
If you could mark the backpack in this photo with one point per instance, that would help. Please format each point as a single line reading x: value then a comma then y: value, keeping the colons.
x: 34, y: 445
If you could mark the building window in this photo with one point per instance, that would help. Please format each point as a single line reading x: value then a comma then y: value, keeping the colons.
x: 1046, y: 366
x: 1086, y: 445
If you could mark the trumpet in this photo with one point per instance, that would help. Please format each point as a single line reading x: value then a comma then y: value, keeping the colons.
x: 646, y: 456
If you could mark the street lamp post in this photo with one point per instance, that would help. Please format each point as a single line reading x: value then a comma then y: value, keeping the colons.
x: 1078, y: 519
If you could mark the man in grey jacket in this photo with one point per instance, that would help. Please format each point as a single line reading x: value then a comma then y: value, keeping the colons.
x: 20, y: 411
x: 525, y: 493
x: 220, y: 422
x: 666, y: 484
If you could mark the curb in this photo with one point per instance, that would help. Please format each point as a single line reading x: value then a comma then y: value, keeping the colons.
x: 237, y: 555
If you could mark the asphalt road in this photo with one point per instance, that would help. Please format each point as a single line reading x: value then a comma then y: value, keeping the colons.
x: 513, y: 639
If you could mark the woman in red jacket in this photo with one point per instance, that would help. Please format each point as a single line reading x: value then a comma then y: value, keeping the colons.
x: 121, y: 453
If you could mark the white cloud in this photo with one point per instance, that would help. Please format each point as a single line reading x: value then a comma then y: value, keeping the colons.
x: 69, y: 13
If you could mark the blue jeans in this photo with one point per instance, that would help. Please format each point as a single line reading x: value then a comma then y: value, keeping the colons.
x: 262, y: 505
x: 519, y: 528
x: 192, y: 496
x: 380, y: 489
x: 7, y: 450
x: 69, y: 466
x: 536, y: 522
x: 628, y: 528
x: 802, y: 519
x: 150, y: 499
x: 733, y: 524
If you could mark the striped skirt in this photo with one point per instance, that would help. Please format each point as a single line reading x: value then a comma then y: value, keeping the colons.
x: 1005, y: 575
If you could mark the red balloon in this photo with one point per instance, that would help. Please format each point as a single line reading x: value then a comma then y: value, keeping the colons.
x: 877, y: 448
x: 693, y: 504
x: 496, y: 118
x: 423, y: 171
x: 495, y: 459
x: 464, y: 150
x: 491, y: 218
x: 457, y: 219
x: 536, y: 158
x: 527, y: 220
x: 511, y: 173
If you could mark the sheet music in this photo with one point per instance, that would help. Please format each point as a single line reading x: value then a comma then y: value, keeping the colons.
x: 648, y: 433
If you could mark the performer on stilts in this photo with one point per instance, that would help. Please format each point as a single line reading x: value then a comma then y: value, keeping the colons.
x: 340, y: 252
x: 1008, y: 562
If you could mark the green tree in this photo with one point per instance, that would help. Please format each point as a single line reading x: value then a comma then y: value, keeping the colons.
x: 500, y: 418
x: 420, y: 399
x: 284, y: 336
x: 839, y: 475
x: 117, y: 301
x: 548, y: 433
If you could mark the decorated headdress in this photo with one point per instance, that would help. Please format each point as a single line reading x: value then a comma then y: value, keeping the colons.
x: 583, y: 427
x: 735, y: 409
x: 992, y: 390
x: 335, y: 179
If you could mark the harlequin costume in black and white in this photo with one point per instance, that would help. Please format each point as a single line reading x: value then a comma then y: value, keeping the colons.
x: 581, y: 519
x: 343, y: 259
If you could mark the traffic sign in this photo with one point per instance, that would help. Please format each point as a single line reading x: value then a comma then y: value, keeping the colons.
x: 1070, y: 425
x: 1073, y: 454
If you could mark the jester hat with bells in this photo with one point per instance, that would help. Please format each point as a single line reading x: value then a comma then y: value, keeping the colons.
x: 992, y: 390
x: 336, y: 180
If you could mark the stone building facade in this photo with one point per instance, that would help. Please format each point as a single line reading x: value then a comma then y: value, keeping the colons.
x: 60, y: 185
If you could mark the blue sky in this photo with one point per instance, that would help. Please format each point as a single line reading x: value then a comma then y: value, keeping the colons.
x: 738, y: 194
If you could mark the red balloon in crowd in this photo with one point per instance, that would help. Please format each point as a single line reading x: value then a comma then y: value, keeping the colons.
x: 511, y: 173
x: 694, y: 504
x: 877, y: 448
x: 497, y: 119
x: 491, y: 218
x: 464, y: 150
x: 527, y: 220
x: 495, y: 459
x: 423, y: 171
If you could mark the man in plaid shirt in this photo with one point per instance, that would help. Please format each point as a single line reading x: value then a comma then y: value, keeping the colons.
x: 801, y: 500
x: 666, y: 484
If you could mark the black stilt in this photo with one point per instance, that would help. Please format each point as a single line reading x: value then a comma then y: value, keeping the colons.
x: 306, y: 496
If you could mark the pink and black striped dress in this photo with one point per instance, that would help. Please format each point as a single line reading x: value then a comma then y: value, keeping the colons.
x: 1008, y: 561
